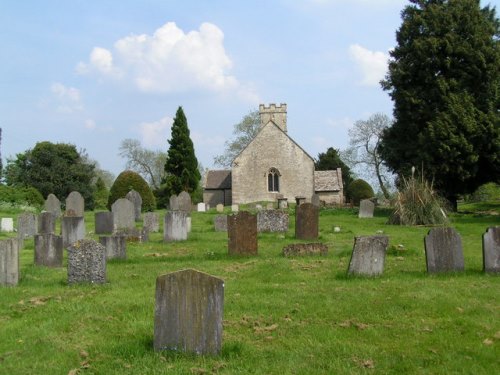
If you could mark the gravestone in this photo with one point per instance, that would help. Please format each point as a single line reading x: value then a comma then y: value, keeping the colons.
x: 151, y: 222
x: 26, y: 225
x: 282, y: 203
x: 104, y: 222
x: 175, y: 226
x: 201, y: 207
x: 301, y: 249
x: 306, y: 222
x: 366, y: 208
x: 242, y: 233
x: 72, y: 229
x: 75, y: 204
x: 116, y: 246
x: 184, y: 201
x: 48, y: 250
x: 220, y: 207
x: 272, y: 221
x: 491, y: 250
x: 86, y: 262
x: 269, y: 206
x: 220, y: 223
x: 46, y: 223
x: 368, y: 255
x: 189, y: 307
x: 315, y: 200
x: 52, y: 204
x: 300, y: 200
x: 9, y: 262
x: 188, y: 223
x: 235, y: 208
x: 136, y: 199
x: 173, y: 203
x: 123, y: 214
x: 258, y: 207
x: 7, y: 225
x: 130, y: 234
x: 20, y: 243
x: 443, y: 251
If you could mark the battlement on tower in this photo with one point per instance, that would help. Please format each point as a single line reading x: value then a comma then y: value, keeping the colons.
x: 274, y: 113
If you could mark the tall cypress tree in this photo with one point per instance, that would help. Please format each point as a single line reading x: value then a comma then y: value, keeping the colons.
x: 181, y: 168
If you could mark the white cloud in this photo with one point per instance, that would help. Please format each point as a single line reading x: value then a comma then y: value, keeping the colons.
x: 373, y: 64
x: 155, y: 133
x: 67, y: 99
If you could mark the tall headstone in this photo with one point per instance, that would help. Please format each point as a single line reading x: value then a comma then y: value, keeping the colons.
x: 272, y: 221
x: 7, y: 225
x: 491, y: 250
x: 315, y: 200
x: 26, y: 225
x: 75, y: 204
x: 46, y: 223
x: 136, y: 199
x: 116, y: 246
x: 52, y: 204
x: 86, y: 262
x: 175, y: 226
x: 184, y: 201
x: 104, y: 222
x: 9, y: 262
x: 220, y: 208
x: 123, y: 214
x: 189, y: 307
x: 201, y: 207
x: 173, y: 203
x: 368, y: 255
x: 48, y: 250
x: 220, y: 223
x: 72, y: 229
x: 306, y: 222
x: 443, y: 251
x: 151, y: 222
x: 242, y: 233
x: 366, y: 208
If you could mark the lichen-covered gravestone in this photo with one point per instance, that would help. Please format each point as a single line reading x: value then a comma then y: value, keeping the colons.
x: 123, y: 214
x: 272, y: 221
x: 368, y: 255
x: 136, y: 199
x: 242, y: 233
x: 72, y: 229
x: 52, y: 204
x: 443, y: 251
x: 75, y: 204
x: 306, y: 222
x: 189, y: 307
x: 26, y: 225
x: 151, y: 222
x: 301, y: 249
x: 9, y: 262
x: 46, y: 223
x: 7, y: 224
x: 220, y: 223
x: 184, y: 200
x: 48, y: 250
x: 104, y: 222
x: 491, y: 250
x: 366, y: 208
x: 116, y: 246
x: 86, y: 262
x: 175, y: 226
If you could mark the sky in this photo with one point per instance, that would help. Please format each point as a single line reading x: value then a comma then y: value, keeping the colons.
x: 95, y: 72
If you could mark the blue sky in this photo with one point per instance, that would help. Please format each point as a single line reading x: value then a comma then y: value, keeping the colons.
x: 95, y: 72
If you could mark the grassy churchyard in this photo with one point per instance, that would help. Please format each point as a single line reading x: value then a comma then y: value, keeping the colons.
x: 281, y: 315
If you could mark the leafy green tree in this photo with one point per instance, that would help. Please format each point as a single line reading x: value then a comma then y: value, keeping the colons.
x: 56, y: 168
x: 331, y: 160
x: 244, y: 132
x: 181, y: 168
x: 444, y: 79
x: 101, y: 194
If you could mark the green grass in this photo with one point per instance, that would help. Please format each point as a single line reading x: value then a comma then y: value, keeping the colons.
x: 281, y: 315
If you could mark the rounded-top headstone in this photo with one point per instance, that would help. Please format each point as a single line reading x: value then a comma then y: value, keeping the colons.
x: 123, y: 214
x: 136, y: 199
x: 75, y: 204
x: 52, y: 204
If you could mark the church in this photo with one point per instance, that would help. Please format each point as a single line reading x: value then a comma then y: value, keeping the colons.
x: 272, y: 166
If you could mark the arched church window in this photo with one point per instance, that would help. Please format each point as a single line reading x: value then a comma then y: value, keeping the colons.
x: 273, y: 180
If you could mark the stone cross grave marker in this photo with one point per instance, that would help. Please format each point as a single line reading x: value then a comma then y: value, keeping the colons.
x: 184, y: 201
x: 491, y: 250
x: 136, y: 199
x: 75, y: 204
x: 220, y: 223
x: 26, y: 225
x: 52, y: 204
x: 306, y: 222
x: 242, y: 233
x: 123, y: 214
x: 48, y: 250
x: 9, y: 262
x: 189, y: 307
x: 272, y: 221
x: 7, y: 224
x: 220, y: 207
x: 368, y: 255
x: 86, y: 262
x: 104, y: 222
x: 72, y: 229
x: 46, y: 223
x: 443, y: 251
x: 175, y: 227
x: 151, y: 222
x: 116, y: 246
x: 366, y: 208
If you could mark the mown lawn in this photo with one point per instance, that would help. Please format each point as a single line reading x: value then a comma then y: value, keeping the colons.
x: 281, y: 315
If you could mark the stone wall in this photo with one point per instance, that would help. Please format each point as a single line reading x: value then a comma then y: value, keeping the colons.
x: 214, y: 197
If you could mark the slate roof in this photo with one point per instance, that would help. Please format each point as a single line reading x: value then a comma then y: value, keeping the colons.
x: 218, y: 179
x: 327, y: 180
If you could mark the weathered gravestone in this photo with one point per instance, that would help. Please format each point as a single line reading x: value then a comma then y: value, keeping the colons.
x: 7, y: 224
x: 72, y: 229
x: 368, y: 255
x: 306, y: 222
x: 269, y: 206
x: 9, y: 262
x: 136, y: 199
x: 235, y: 208
x: 258, y: 207
x: 220, y: 223
x: 242, y: 233
x: 52, y: 204
x: 48, y: 250
x: 116, y: 246
x: 189, y: 307
x: 366, y: 208
x: 104, y: 222
x: 201, y: 207
x: 184, y: 201
x: 173, y: 203
x: 315, y: 200
x: 151, y: 222
x: 282, y: 203
x: 86, y: 262
x: 491, y: 250
x: 272, y: 221
x: 26, y: 225
x: 300, y: 200
x: 301, y: 249
x: 123, y: 214
x: 175, y: 226
x: 46, y: 223
x: 75, y: 204
x: 132, y: 234
x: 220, y: 207
x: 443, y: 251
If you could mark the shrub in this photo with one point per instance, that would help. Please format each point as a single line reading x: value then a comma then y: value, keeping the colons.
x: 486, y: 192
x: 101, y: 194
x: 28, y: 196
x: 130, y: 180
x: 358, y: 190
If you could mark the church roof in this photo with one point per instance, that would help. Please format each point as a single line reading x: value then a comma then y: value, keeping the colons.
x: 218, y: 179
x: 327, y: 180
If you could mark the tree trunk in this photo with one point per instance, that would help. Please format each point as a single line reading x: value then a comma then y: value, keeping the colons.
x: 381, y: 183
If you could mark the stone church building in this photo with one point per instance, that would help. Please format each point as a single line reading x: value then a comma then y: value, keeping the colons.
x: 272, y: 166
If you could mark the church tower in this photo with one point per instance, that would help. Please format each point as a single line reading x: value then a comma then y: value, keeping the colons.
x: 274, y: 113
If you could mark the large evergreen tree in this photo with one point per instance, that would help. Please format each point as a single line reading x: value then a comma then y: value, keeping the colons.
x: 444, y: 79
x: 181, y: 168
